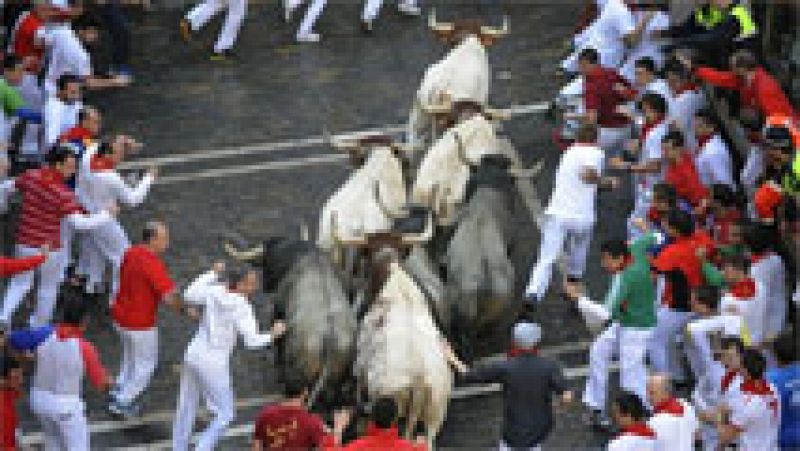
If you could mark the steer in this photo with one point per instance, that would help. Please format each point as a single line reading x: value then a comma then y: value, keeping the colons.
x: 309, y: 293
x: 399, y: 344
x: 462, y: 75
x: 446, y: 165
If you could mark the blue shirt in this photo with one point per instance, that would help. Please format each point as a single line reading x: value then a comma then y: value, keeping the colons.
x: 787, y: 381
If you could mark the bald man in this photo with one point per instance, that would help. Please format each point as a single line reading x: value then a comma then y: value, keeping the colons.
x: 673, y: 420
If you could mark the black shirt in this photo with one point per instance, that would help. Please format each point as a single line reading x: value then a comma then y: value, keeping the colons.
x: 529, y: 383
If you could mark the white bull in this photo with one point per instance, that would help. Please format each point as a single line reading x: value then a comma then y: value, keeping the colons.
x: 463, y: 74
x: 368, y: 200
x: 400, y: 356
x: 446, y: 165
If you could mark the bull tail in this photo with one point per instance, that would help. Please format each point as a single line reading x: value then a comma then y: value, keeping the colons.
x: 248, y: 255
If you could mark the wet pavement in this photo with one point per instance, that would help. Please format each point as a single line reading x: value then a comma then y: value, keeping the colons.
x: 186, y: 107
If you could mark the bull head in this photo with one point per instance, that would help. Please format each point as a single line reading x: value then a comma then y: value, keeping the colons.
x: 248, y: 255
x: 382, y: 205
x: 358, y: 147
x: 405, y: 239
x: 449, y: 31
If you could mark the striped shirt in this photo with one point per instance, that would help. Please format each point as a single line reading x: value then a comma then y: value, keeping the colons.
x: 45, y: 201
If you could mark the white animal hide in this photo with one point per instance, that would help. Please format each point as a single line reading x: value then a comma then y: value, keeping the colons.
x: 463, y: 74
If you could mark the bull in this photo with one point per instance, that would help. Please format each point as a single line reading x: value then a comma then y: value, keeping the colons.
x: 398, y: 347
x: 479, y: 272
x: 462, y: 75
x: 309, y: 294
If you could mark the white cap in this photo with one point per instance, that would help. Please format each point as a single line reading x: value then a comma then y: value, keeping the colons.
x: 526, y: 335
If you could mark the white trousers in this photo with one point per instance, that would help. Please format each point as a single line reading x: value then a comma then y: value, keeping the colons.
x: 139, y: 360
x: 312, y: 13
x: 558, y: 232
x: 373, y: 7
x: 63, y: 421
x: 51, y: 274
x: 202, y: 13
x: 104, y: 244
x: 504, y: 447
x: 664, y: 356
x: 612, y: 140
x: 211, y: 379
x: 631, y: 343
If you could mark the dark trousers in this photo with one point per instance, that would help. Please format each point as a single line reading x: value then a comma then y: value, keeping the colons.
x: 115, y: 22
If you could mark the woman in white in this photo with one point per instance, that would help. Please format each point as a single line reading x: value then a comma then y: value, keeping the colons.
x: 227, y: 314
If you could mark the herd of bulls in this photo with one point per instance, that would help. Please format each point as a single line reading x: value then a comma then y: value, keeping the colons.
x: 413, y: 247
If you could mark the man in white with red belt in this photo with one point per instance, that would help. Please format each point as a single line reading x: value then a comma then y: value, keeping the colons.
x: 224, y: 294
x: 47, y: 206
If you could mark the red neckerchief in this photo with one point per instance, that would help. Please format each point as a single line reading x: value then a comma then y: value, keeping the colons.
x: 727, y: 379
x: 703, y: 140
x: 744, y: 289
x: 722, y: 224
x: 76, y: 133
x: 755, y: 258
x: 671, y: 406
x: 65, y: 331
x: 101, y: 163
x: 638, y: 430
x: 647, y: 128
x: 756, y: 387
x: 517, y: 352
x: 684, y: 88
x: 653, y: 215
x: 374, y: 431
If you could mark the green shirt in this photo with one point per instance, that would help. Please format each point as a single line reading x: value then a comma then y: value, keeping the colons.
x: 632, y: 296
x: 10, y: 98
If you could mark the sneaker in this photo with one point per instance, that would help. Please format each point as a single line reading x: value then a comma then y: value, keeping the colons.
x: 308, y: 37
x: 221, y: 57
x: 124, y: 411
x: 366, y: 26
x: 409, y: 10
x: 600, y: 421
x: 186, y: 31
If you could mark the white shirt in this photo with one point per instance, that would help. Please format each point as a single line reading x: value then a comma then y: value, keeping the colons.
x: 606, y: 32
x: 225, y: 316
x: 648, y: 46
x: 770, y: 273
x: 651, y: 151
x: 58, y: 117
x: 675, y: 432
x: 628, y: 442
x: 67, y: 56
x: 752, y: 170
x: 572, y: 197
x: 34, y: 100
x: 100, y: 189
x: 714, y: 164
x: 757, y: 416
x: 682, y: 108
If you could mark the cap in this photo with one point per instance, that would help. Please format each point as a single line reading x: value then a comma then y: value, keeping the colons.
x: 526, y: 335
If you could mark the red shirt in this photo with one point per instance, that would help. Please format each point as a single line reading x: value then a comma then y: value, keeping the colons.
x: 77, y: 134
x: 599, y: 95
x: 762, y: 93
x: 8, y: 419
x: 45, y: 201
x: 683, y: 177
x: 679, y: 255
x: 143, y: 282
x: 380, y: 439
x: 288, y: 428
x: 11, y: 266
x: 23, y: 38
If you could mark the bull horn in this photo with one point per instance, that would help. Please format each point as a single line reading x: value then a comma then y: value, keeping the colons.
x: 244, y: 256
x: 495, y: 114
x: 345, y: 145
x: 442, y: 27
x: 422, y: 238
x: 495, y: 32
